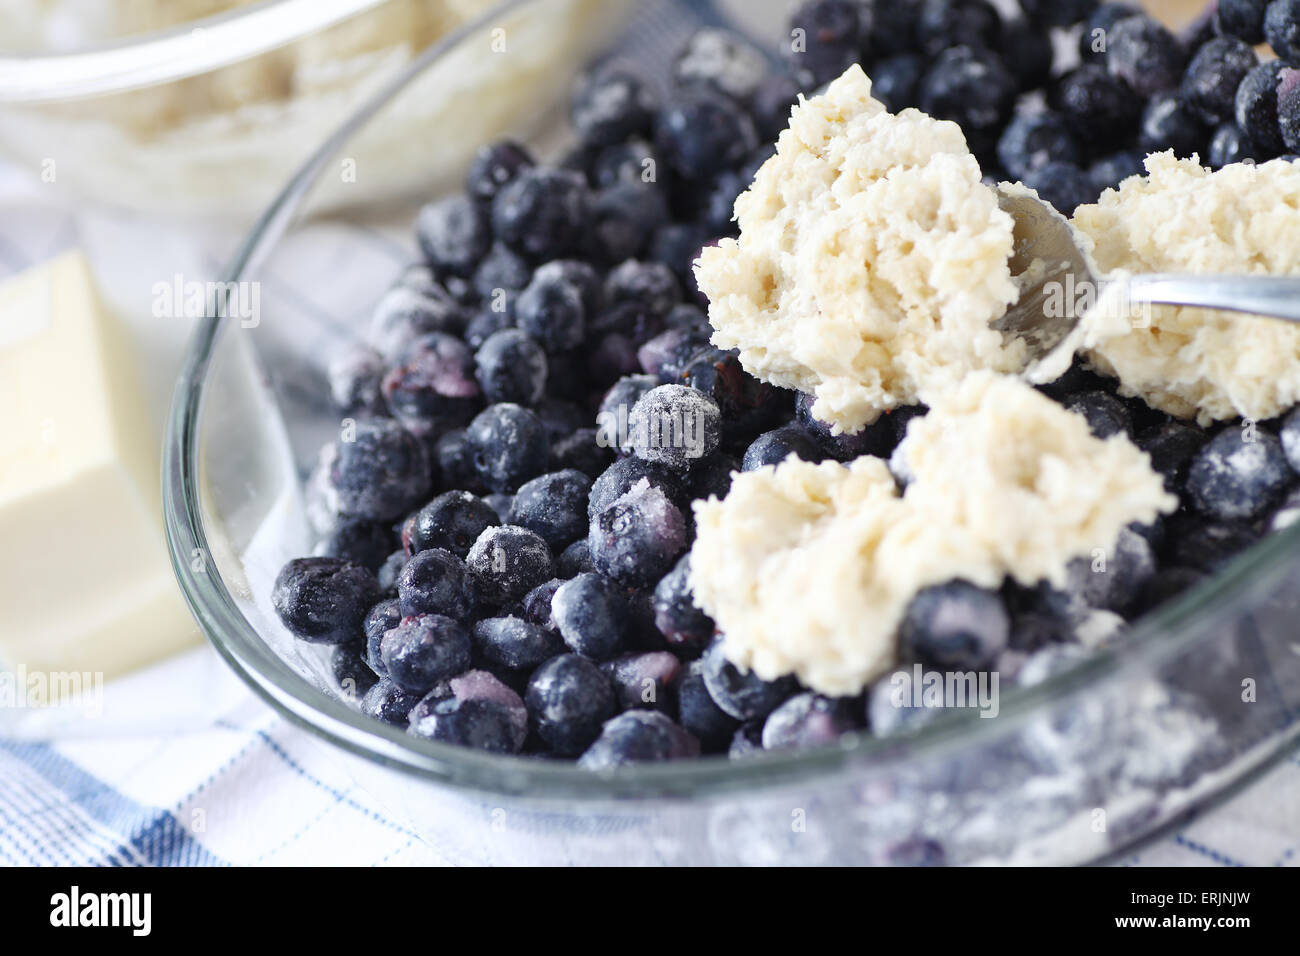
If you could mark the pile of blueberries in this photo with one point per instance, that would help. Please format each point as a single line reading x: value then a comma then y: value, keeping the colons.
x: 505, y: 528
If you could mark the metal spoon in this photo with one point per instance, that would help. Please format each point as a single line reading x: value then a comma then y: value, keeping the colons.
x: 1043, y: 235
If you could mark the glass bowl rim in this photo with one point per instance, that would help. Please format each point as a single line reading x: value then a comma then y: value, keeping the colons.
x: 1155, y: 639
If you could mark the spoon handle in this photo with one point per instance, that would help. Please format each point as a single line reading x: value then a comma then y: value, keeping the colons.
x: 1274, y: 296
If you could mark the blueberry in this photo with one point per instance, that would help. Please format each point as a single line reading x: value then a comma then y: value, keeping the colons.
x: 324, y: 600
x: 580, y: 451
x: 515, y: 644
x: 645, y: 681
x: 774, y: 447
x: 1210, y: 83
x: 511, y: 367
x: 1115, y: 584
x: 1032, y: 140
x: 712, y: 726
x: 508, y: 561
x: 749, y: 407
x: 613, y: 417
x: 433, y: 386
x: 575, y: 560
x: 1165, y: 585
x: 876, y: 439
x: 1145, y: 55
x: 1288, y: 108
x: 1032, y: 630
x: 618, y: 479
x: 1064, y: 186
x: 717, y: 214
x: 424, y: 649
x: 1256, y: 106
x: 825, y: 38
x: 808, y: 720
x: 380, y: 619
x: 1287, y: 513
x: 623, y: 217
x: 1289, y: 434
x: 1206, y: 544
x: 896, y: 705
x: 435, y: 581
x: 535, y: 606
x: 896, y: 82
x: 1242, y: 18
x: 721, y: 60
x: 650, y: 287
x: 509, y: 445
x: 1058, y: 13
x: 683, y: 624
x: 610, y: 108
x: 1109, y: 171
x: 551, y: 310
x: 634, y: 161
x: 747, y: 740
x: 638, y: 736
x: 973, y: 88
x: 500, y: 276
x: 554, y: 506
x: 354, y: 376
x: 1094, y: 41
x: 742, y: 694
x: 403, y: 315
x: 1282, y: 28
x: 453, y: 521
x: 367, y: 543
x: 943, y: 24
x: 1098, y: 106
x: 592, y: 615
x: 667, y: 354
x: 1231, y: 144
x: 494, y: 166
x: 702, y: 134
x: 771, y: 105
x: 387, y: 702
x: 1169, y: 123
x: 1106, y: 414
x: 674, y: 426
x: 541, y: 213
x: 473, y: 709
x: 454, y: 234
x: 568, y: 700
x: 710, y: 477
x: 639, y: 537
x: 352, y: 675
x: 454, y: 462
x: 1233, y: 478
x: 1171, y: 447
x: 390, y: 569
x: 1028, y: 52
x: 955, y: 626
x: 677, y: 245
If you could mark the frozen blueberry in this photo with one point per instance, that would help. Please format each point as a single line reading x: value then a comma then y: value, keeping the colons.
x: 1289, y: 434
x: 1058, y: 13
x: 1171, y: 447
x: 404, y: 314
x: 1288, y: 108
x: 380, y: 619
x: 1169, y: 123
x: 454, y: 462
x: 494, y: 166
x: 645, y: 681
x: 1032, y: 140
x: 580, y: 451
x: 508, y: 444
x: 1282, y: 28
x: 748, y: 407
x: 668, y: 353
x: 682, y: 623
x: 955, y: 626
x: 1165, y: 585
x: 592, y: 615
x: 1256, y: 106
x: 1105, y: 413
x: 638, y: 736
x: 710, y: 477
x: 424, y: 649
x: 973, y: 88
x: 721, y: 60
x: 876, y: 439
x: 742, y: 694
x: 551, y: 310
x: 454, y: 234
x: 1113, y: 584
x: 354, y: 376
x: 618, y: 479
x: 484, y: 324
x: 575, y: 560
x: 367, y: 543
x: 1064, y: 186
x: 675, y: 426
x: 1109, y: 171
x: 704, y: 133
x: 535, y: 606
x: 943, y: 24
x: 808, y: 720
x: 639, y: 537
x: 432, y: 385
x: 1210, y: 83
x: 825, y: 36
x: 613, y: 417
x: 623, y: 218
x: 1205, y: 544
x: 634, y: 161
x: 897, y: 704
x: 568, y: 700
x: 352, y: 675
x: 542, y: 212
x: 473, y: 709
x: 1242, y: 18
x: 554, y: 506
x: 514, y: 643
x: 1287, y: 513
x: 435, y: 581
x: 511, y: 367
x: 746, y: 741
x: 453, y: 521
x: 1094, y: 41
x: 500, y: 277
x: 1099, y: 107
x: 712, y: 726
x: 771, y: 104
x: 508, y: 561
x: 896, y: 81
x: 1233, y: 478
x: 390, y: 569
x: 387, y: 702
x: 1145, y: 55
x: 610, y: 108
x: 650, y: 288
x: 324, y: 600
x: 774, y: 447
x: 1230, y: 144
x: 1031, y: 630
x: 1028, y: 52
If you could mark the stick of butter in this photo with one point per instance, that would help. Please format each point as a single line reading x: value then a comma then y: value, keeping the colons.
x: 85, y: 583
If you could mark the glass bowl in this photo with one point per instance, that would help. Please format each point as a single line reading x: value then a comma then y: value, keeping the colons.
x: 203, y: 108
x: 1075, y: 768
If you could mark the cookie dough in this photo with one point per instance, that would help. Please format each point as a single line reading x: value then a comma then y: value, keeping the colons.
x: 870, y: 262
x: 808, y: 569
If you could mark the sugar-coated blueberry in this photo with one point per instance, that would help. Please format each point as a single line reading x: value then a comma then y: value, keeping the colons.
x: 568, y: 701
x: 1105, y: 413
x: 354, y: 375
x: 943, y: 24
x: 424, y: 649
x: 380, y: 473
x: 575, y: 560
x: 1109, y: 171
x: 896, y: 81
x: 404, y: 314
x: 1238, y: 475
x: 1064, y: 186
x: 973, y: 88
x: 380, y: 619
x: 1169, y: 123
x: 1058, y: 13
x: 1113, y: 584
x: 1230, y: 144
x: 324, y: 600
x: 352, y: 675
x: 435, y: 581
x: 1256, y: 106
x: 674, y: 426
x: 1171, y: 447
x: 1288, y: 108
x: 746, y: 741
x: 1094, y: 41
x: 741, y: 693
x: 551, y: 310
x: 508, y: 561
x: 364, y: 542
x: 637, y: 539
x: 618, y: 479
x: 955, y: 626
x: 828, y: 35
x: 722, y: 60
x: 1028, y: 52
x: 1098, y: 106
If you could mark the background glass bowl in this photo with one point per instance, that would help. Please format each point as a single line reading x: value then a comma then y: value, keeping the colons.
x: 1195, y: 699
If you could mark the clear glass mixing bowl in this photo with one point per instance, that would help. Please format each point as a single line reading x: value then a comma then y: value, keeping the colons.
x: 1195, y: 699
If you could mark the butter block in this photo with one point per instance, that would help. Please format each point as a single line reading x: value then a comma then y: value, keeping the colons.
x: 85, y: 581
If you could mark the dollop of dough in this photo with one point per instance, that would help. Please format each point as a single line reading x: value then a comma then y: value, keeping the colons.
x: 1181, y: 217
x: 808, y: 569
x: 870, y: 262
